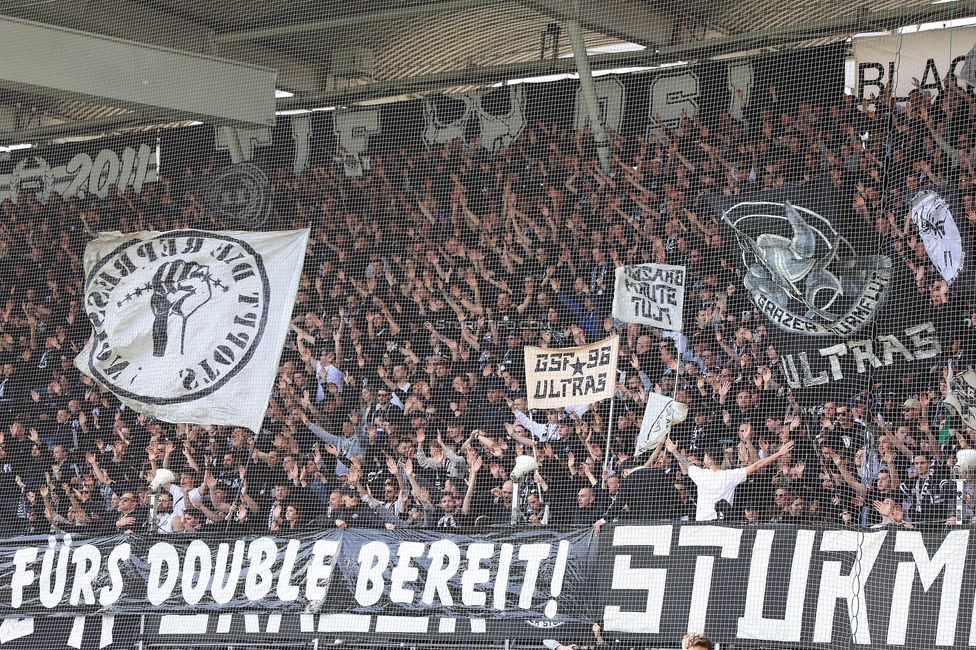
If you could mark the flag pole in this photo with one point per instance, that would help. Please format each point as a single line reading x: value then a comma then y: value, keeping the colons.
x: 606, y: 451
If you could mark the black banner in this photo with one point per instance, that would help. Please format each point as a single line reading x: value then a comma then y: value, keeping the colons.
x: 80, y: 169
x: 633, y: 104
x: 836, y: 306
x: 645, y: 584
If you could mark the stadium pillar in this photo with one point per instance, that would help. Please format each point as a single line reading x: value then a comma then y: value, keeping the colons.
x: 589, y: 89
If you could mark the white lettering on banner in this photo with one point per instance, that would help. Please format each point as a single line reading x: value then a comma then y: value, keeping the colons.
x: 51, y: 595
x: 404, y: 572
x: 34, y: 176
x: 318, y: 572
x: 22, y: 577
x: 352, y: 131
x: 610, y: 93
x: 445, y: 562
x: 670, y: 95
x: 726, y: 539
x: 445, y: 558
x: 223, y: 590
x: 109, y: 594
x: 924, y: 341
x: 650, y: 580
x: 650, y: 294
x: 752, y: 624
x: 87, y: 560
x: 262, y: 554
x: 373, y: 560
x: 740, y: 78
x: 834, y: 585
x: 196, y: 552
x: 160, y: 554
x: 285, y: 590
x: 501, y: 580
x: 476, y: 575
x: 951, y: 557
x: 533, y: 554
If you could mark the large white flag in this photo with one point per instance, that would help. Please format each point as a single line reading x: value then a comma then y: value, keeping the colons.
x: 660, y: 414
x: 650, y: 294
x: 188, y: 325
x: 558, y: 377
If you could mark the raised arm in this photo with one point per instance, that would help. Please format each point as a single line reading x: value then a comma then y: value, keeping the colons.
x: 755, y: 467
x: 682, y: 460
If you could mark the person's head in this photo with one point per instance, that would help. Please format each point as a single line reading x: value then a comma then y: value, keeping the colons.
x: 165, y: 503
x: 751, y: 514
x: 193, y: 517
x: 830, y: 410
x: 911, y: 409
x: 59, y: 453
x: 743, y: 399
x: 293, y: 514
x: 713, y: 458
x: 585, y: 497
x: 335, y: 499
x: 282, y: 490
x: 534, y: 502
x: 696, y: 641
x: 781, y: 498
x: 507, y: 492
x: 922, y: 465
x: 884, y: 481
x: 797, y: 507
x: 128, y: 502
x: 448, y: 504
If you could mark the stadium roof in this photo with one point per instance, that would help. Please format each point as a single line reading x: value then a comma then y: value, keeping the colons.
x: 324, y: 53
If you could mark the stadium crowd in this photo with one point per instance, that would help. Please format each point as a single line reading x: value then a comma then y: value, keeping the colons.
x: 401, y: 399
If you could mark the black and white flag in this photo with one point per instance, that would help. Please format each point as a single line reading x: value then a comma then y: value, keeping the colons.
x: 660, y: 414
x: 650, y: 294
x: 802, y: 273
x: 188, y: 325
x: 932, y: 214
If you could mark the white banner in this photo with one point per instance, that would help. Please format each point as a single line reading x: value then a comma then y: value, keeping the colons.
x: 927, y: 56
x: 188, y: 325
x: 558, y: 377
x: 660, y: 415
x: 650, y: 294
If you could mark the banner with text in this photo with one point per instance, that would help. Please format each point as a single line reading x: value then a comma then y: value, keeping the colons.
x: 558, y: 377
x: 650, y: 294
x: 837, y: 308
x: 188, y: 325
x: 646, y: 583
x: 903, y: 58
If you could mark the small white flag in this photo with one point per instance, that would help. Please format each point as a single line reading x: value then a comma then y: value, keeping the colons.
x: 660, y: 414
x: 650, y: 294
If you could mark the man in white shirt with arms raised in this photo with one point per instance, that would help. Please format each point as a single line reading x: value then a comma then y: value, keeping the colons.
x: 714, y: 483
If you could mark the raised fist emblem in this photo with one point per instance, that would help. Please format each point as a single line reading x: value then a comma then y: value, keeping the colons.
x: 179, y: 289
